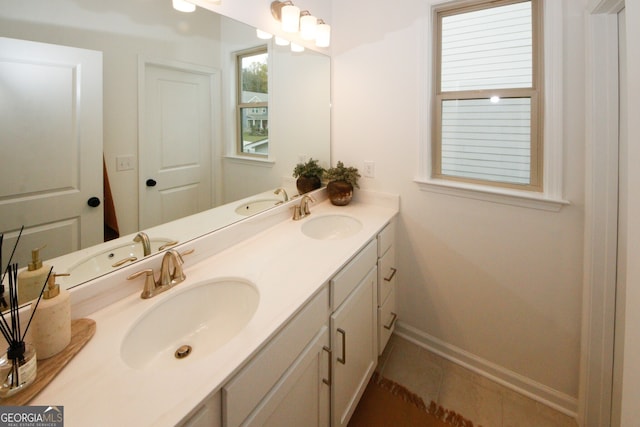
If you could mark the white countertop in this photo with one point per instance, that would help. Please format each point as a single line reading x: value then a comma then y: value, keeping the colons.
x: 287, y: 267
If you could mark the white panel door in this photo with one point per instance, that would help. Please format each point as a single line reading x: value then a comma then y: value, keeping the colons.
x: 175, y: 141
x: 50, y: 147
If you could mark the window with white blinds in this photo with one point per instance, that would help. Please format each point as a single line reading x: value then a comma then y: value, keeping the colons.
x: 486, y: 114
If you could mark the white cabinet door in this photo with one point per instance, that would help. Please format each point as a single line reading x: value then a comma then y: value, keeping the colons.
x: 301, y: 397
x: 355, y: 348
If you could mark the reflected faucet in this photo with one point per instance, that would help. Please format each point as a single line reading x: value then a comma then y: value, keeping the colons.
x: 146, y: 244
x: 284, y: 194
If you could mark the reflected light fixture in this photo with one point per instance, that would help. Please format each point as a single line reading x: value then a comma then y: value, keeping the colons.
x: 281, y: 42
x: 296, y: 48
x: 183, y: 6
x: 323, y: 34
x: 263, y: 35
x: 494, y: 99
x: 308, y: 24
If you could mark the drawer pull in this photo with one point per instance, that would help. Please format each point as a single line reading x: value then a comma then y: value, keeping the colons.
x: 393, y: 321
x: 393, y: 273
x: 328, y: 381
x: 343, y: 359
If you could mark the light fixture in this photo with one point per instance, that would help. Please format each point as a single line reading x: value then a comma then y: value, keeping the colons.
x: 290, y: 18
x: 183, y: 6
x: 308, y: 24
x: 296, y: 48
x: 263, y: 35
x: 292, y: 21
x: 323, y: 34
x: 281, y: 42
x: 494, y: 99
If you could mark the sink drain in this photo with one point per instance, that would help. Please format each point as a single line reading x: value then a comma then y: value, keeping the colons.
x: 183, y: 351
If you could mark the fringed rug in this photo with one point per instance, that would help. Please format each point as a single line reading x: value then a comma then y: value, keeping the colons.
x: 388, y: 404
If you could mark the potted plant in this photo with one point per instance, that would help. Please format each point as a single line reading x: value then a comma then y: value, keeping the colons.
x: 309, y: 176
x: 341, y: 180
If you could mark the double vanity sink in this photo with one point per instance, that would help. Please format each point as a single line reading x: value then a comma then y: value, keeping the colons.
x: 152, y: 361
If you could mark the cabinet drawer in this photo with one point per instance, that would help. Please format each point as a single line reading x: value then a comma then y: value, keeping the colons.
x: 386, y: 274
x: 386, y: 320
x: 348, y: 278
x: 386, y: 238
x: 243, y: 393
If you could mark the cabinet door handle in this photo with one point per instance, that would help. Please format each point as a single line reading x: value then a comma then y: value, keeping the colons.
x: 394, y: 317
x: 328, y: 381
x: 393, y: 273
x: 343, y: 359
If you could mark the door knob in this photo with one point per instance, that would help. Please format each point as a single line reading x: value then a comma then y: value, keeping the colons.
x: 151, y: 182
x: 94, y: 202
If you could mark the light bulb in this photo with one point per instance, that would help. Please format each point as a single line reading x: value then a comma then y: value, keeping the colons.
x: 281, y: 42
x: 308, y: 25
x: 323, y: 34
x: 263, y: 35
x: 183, y: 6
x: 290, y: 16
x: 296, y: 48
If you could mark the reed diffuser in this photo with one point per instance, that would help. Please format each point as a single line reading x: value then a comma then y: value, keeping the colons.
x: 18, y: 366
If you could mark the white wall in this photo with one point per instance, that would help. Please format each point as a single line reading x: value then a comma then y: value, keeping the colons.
x: 502, y: 283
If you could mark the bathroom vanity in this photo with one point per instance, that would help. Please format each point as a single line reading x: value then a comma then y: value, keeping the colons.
x: 284, y: 325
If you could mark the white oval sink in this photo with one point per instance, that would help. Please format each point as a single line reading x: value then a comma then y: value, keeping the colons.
x: 110, y: 259
x: 204, y: 317
x: 256, y: 206
x: 331, y: 227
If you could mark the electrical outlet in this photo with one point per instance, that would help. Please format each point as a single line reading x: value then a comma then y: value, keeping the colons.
x: 124, y: 163
x: 369, y: 169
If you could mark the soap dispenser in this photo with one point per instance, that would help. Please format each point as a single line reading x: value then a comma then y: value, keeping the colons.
x: 31, y: 280
x: 51, y: 324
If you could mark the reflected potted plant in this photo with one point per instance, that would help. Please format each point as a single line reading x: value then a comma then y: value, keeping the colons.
x: 341, y: 182
x: 309, y: 176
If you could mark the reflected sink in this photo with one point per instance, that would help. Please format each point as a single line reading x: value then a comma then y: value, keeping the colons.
x: 108, y: 260
x: 331, y: 227
x: 256, y: 206
x: 201, y: 318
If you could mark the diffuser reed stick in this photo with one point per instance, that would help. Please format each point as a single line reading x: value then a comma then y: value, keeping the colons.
x: 12, y: 330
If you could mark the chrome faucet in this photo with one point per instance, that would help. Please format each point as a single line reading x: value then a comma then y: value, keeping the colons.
x: 284, y: 194
x: 146, y: 244
x: 302, y: 210
x: 171, y: 274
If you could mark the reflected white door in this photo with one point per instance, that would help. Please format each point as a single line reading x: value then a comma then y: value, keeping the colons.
x: 176, y: 125
x: 50, y: 147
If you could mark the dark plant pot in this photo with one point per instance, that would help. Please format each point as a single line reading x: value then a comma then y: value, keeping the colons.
x: 304, y: 184
x: 340, y: 192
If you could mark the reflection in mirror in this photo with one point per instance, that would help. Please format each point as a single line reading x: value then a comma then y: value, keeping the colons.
x: 142, y: 55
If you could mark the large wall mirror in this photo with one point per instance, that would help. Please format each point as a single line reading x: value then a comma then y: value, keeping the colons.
x: 150, y: 127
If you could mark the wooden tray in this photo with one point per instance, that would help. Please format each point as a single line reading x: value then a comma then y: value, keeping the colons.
x: 81, y: 332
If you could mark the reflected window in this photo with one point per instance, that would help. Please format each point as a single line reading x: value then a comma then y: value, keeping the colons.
x: 253, y: 102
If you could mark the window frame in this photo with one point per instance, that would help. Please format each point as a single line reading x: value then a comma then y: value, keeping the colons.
x: 534, y: 93
x: 239, y: 55
x: 551, y: 198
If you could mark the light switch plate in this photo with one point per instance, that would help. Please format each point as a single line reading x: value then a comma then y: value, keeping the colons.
x: 369, y: 169
x: 124, y: 163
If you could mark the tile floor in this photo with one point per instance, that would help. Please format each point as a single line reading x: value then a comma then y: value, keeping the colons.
x: 455, y: 388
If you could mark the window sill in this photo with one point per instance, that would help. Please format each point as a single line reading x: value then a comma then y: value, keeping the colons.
x: 494, y: 195
x: 254, y: 161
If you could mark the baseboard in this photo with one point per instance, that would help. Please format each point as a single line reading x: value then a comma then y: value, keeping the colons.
x: 526, y: 386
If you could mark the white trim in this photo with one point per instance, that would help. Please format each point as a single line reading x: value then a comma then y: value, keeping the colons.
x: 505, y: 196
x: 526, y: 386
x: 551, y: 198
x: 253, y: 161
x: 601, y: 215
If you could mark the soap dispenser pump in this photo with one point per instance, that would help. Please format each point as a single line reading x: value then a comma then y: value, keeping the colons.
x: 51, y: 328
x: 31, y: 280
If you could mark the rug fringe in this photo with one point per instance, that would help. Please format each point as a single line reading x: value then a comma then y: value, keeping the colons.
x: 452, y: 418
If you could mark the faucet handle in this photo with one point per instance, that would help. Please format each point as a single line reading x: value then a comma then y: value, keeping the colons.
x: 149, y: 282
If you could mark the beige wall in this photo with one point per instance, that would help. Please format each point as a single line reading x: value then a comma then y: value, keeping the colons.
x: 502, y: 283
